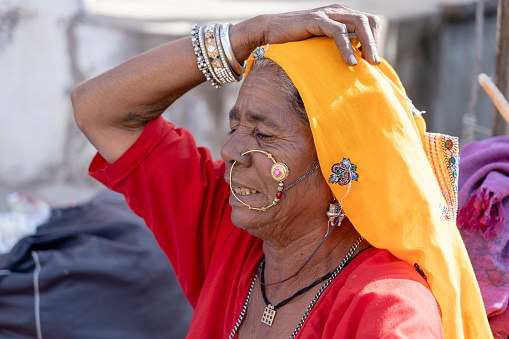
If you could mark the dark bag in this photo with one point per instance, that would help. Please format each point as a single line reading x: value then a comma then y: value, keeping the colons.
x: 93, y: 271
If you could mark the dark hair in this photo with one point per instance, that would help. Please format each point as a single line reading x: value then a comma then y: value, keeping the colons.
x: 286, y: 85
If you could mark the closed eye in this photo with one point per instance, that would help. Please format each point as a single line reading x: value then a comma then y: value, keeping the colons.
x: 262, y: 136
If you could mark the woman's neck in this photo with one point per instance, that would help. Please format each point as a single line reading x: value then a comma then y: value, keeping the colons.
x: 283, y: 260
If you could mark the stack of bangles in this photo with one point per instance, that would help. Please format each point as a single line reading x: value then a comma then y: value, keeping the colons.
x: 214, y: 54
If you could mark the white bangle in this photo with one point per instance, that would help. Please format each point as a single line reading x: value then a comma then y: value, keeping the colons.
x: 237, y: 69
x: 220, y: 66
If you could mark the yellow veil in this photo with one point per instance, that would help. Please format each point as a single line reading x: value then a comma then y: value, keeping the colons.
x: 403, y: 181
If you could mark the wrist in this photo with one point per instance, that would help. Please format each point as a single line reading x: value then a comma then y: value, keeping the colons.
x: 247, y: 35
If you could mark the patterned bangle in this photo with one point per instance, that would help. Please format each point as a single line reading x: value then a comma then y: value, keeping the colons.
x: 200, y: 58
x: 210, y: 54
x: 236, y: 68
x: 219, y: 64
x: 206, y: 34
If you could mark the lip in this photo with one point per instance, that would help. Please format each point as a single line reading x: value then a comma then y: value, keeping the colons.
x: 243, y: 191
x: 235, y: 184
x: 237, y: 188
x: 500, y: 325
x: 250, y: 199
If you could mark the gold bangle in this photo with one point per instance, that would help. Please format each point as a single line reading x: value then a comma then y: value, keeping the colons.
x: 205, y: 34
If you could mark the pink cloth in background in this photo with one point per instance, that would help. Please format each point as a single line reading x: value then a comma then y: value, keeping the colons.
x: 483, y: 220
x: 483, y: 184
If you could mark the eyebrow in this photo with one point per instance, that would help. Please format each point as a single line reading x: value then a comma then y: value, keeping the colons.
x: 233, y: 115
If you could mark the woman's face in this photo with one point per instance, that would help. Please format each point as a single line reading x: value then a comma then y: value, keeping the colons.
x: 262, y: 119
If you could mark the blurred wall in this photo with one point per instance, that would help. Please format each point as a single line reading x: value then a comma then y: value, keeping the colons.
x: 35, y: 78
x: 48, y: 47
x: 434, y: 56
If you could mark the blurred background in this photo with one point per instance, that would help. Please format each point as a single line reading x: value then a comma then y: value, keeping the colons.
x: 48, y: 47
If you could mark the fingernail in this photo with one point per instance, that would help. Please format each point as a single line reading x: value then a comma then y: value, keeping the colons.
x: 378, y: 59
x: 353, y: 61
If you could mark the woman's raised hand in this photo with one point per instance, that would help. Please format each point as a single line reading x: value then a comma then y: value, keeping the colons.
x: 334, y: 21
x: 113, y: 108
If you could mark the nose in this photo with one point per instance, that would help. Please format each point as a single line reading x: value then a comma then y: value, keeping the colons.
x: 233, y: 148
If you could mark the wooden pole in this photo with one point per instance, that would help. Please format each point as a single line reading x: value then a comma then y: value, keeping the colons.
x: 502, y: 65
x: 470, y: 123
x: 495, y: 95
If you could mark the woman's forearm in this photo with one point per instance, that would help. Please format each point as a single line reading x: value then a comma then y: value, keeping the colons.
x: 113, y: 108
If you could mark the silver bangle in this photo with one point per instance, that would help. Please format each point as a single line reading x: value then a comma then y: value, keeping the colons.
x: 220, y: 66
x: 236, y: 68
x: 200, y: 58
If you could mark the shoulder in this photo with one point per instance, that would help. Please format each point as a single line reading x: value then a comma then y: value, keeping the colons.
x: 375, y: 265
x: 161, y: 148
x: 380, y: 295
x: 380, y: 277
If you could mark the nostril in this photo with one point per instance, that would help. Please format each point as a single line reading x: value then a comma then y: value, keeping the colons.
x: 232, y: 152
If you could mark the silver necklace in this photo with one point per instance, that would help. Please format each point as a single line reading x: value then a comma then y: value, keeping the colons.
x: 313, y: 302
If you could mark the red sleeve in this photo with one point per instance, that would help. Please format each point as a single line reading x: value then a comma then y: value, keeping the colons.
x: 181, y: 194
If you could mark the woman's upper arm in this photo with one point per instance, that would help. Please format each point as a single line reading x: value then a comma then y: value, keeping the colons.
x: 181, y: 194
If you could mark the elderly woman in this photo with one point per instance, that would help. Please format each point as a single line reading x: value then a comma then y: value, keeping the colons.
x: 259, y: 241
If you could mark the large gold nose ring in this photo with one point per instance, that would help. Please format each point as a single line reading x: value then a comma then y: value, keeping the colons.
x: 279, y: 171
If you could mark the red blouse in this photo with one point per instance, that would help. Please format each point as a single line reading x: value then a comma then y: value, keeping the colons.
x: 183, y: 197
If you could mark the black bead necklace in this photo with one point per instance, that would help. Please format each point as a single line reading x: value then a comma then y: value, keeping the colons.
x: 270, y: 311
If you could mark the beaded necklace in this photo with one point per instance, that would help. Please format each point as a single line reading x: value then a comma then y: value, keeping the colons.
x: 331, y: 277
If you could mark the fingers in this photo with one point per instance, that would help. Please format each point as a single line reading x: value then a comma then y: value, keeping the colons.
x: 365, y: 35
x: 376, y: 28
x: 339, y: 33
x: 334, y: 21
x: 367, y: 28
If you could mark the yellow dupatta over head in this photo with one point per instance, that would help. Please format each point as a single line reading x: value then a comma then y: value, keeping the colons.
x: 403, y: 181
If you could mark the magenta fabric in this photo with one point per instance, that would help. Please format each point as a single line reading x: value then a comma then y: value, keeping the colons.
x: 483, y: 221
x: 483, y: 184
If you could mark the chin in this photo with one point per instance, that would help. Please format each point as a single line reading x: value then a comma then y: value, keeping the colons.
x: 242, y: 217
x: 248, y: 220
